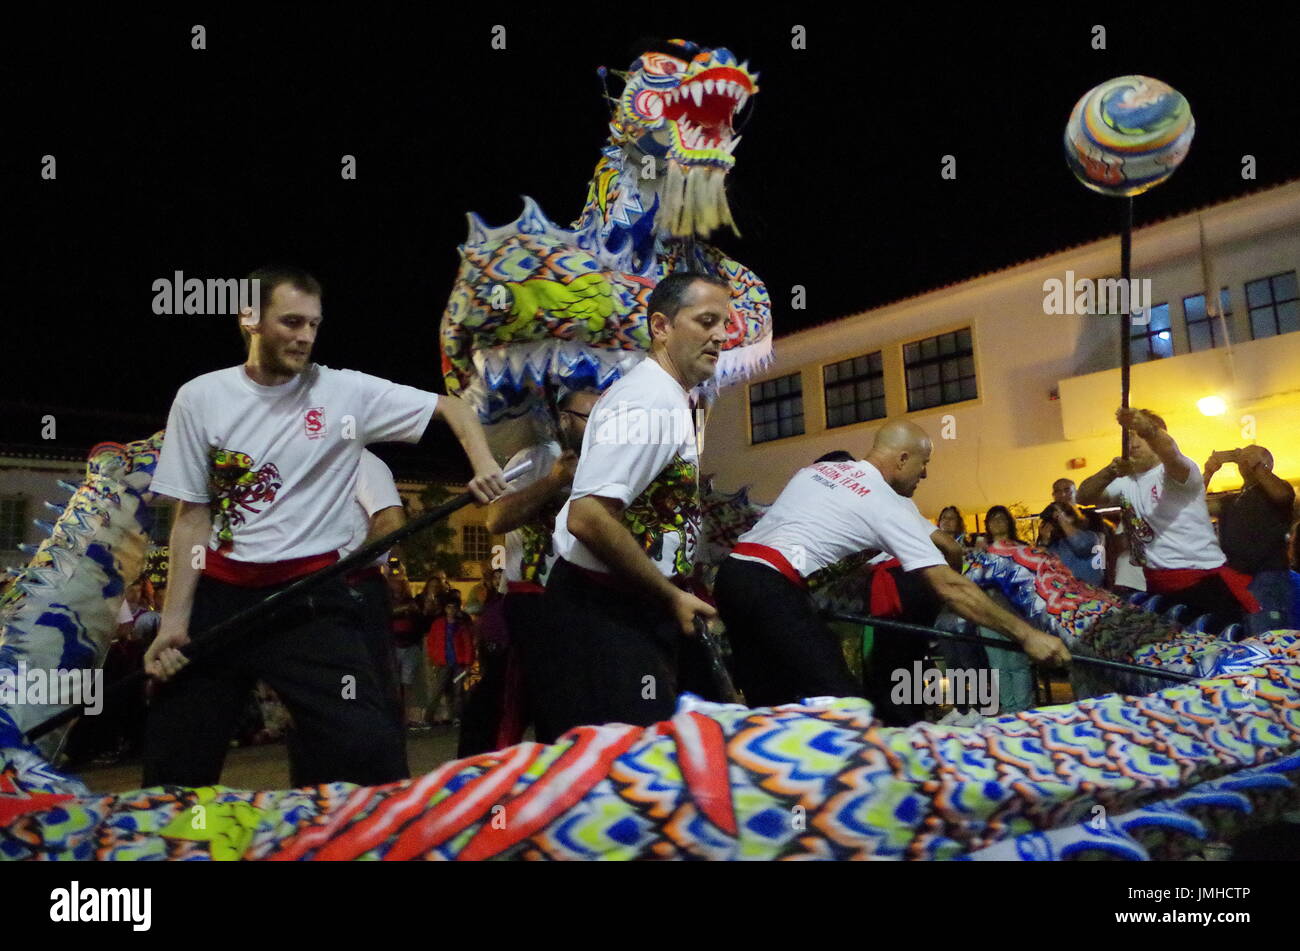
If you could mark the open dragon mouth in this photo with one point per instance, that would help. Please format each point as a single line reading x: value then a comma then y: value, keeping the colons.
x: 701, y: 110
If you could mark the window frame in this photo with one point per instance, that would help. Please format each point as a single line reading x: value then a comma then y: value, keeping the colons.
x: 779, y: 401
x: 1272, y: 305
x: 852, y: 382
x: 938, y: 360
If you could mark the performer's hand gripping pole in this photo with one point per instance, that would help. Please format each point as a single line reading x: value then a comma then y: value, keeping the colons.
x: 221, y: 636
x: 721, y: 678
x: 922, y: 631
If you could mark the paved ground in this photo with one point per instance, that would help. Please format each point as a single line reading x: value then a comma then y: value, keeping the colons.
x: 265, y: 767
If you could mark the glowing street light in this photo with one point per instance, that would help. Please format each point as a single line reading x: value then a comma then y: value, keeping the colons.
x: 1212, y: 405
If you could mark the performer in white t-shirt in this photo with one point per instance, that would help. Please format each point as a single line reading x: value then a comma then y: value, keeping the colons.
x: 1162, y: 497
x: 526, y: 515
x: 263, y: 459
x: 783, y: 651
x: 625, y: 539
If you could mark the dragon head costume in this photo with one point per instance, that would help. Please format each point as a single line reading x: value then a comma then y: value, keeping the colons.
x: 537, y: 304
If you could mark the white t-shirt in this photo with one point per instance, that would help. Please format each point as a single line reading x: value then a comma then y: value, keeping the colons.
x: 279, y: 463
x: 832, y: 510
x: 637, y: 428
x: 543, y: 457
x: 1167, y: 522
x: 376, y: 491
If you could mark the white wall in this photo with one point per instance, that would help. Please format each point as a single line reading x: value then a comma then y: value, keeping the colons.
x: 1011, y: 442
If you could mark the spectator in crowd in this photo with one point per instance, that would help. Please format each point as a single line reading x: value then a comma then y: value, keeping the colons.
x: 999, y: 525
x: 1162, y: 496
x: 950, y: 522
x: 1252, y: 532
x: 1046, y: 535
x: 1015, y: 673
x: 407, y: 626
x: 1064, y: 492
x: 1080, y: 548
x: 451, y: 652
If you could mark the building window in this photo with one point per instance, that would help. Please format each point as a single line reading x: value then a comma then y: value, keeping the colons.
x: 1204, y: 332
x: 855, y: 390
x: 13, y: 523
x: 940, y: 370
x: 475, y: 542
x: 1273, y: 304
x: 1152, y: 340
x: 776, y: 408
x: 160, y: 532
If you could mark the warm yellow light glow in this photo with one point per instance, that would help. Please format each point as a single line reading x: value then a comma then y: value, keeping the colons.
x: 1212, y: 405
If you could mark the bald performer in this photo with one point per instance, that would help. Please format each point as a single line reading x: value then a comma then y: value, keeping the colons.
x: 827, y: 512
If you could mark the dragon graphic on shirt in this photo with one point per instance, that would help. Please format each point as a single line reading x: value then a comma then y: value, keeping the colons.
x: 1137, y: 530
x: 233, y: 486
x: 669, y: 505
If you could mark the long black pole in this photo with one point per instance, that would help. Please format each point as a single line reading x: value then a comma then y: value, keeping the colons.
x: 234, y: 628
x: 923, y: 631
x: 1126, y: 316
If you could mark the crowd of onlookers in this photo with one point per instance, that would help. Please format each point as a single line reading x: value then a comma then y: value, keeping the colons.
x: 1091, y: 543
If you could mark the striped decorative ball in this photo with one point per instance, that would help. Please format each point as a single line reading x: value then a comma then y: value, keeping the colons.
x: 1128, y: 135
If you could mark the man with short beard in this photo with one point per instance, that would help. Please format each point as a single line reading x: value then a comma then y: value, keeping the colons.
x: 783, y: 650
x: 1162, y: 497
x: 263, y: 459
x: 626, y: 538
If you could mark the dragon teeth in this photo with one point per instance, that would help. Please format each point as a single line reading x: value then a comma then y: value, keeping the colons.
x: 697, y: 92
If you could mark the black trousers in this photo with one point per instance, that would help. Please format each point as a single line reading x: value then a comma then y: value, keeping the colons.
x: 480, y: 720
x: 783, y: 652
x: 376, y: 608
x: 894, y: 650
x: 611, y: 656
x: 320, y: 665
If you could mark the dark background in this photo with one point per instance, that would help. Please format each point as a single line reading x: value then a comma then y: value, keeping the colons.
x: 212, y: 162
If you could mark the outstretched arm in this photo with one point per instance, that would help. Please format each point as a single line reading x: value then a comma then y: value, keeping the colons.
x: 966, y: 599
x: 521, y: 506
x: 488, y: 482
x: 1092, y: 491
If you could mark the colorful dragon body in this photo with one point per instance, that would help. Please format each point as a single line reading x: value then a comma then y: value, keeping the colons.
x: 1134, y: 776
x: 536, y: 304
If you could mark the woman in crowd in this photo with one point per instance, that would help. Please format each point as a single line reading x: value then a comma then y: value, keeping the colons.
x: 1080, y: 549
x: 950, y: 522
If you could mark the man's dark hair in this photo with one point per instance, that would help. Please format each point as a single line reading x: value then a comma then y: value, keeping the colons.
x: 669, y: 295
x: 839, y: 455
x: 271, y: 277
x: 1062, y: 480
x: 1156, y: 418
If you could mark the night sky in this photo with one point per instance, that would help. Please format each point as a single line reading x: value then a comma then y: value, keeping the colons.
x: 213, y: 162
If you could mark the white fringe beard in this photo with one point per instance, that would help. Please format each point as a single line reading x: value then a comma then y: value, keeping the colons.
x: 693, y: 201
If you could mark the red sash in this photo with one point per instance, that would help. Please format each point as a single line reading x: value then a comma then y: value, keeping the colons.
x: 1173, y: 580
x: 772, y: 557
x: 248, y: 574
